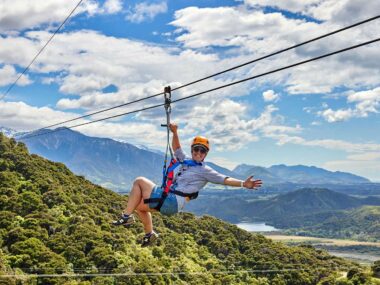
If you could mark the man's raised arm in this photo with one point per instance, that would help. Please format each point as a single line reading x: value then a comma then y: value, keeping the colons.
x: 175, y: 141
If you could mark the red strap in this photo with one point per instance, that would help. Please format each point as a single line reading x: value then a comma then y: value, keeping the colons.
x: 169, y: 179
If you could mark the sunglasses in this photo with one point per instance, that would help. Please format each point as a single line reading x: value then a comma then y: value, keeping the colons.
x: 201, y: 149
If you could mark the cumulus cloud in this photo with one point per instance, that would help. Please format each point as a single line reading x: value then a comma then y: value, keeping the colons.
x: 228, y: 163
x: 229, y: 123
x: 23, y: 117
x: 259, y: 30
x: 339, y: 11
x: 366, y: 102
x: 20, y: 116
x: 270, y: 95
x: 85, y: 69
x: 18, y: 15
x: 146, y: 11
x: 113, y: 6
x: 288, y: 5
x: 332, y: 144
x: 332, y: 116
x: 368, y: 156
x: 85, y: 62
x: 8, y: 75
x: 253, y: 25
x: 365, y: 164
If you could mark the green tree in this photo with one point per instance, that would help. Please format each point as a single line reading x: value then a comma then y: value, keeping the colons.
x: 376, y: 268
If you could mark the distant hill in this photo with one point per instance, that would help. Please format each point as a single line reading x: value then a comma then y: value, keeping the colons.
x: 115, y: 164
x: 54, y: 222
x: 306, y: 201
x: 259, y: 172
x: 361, y: 223
x: 104, y: 161
x: 299, y: 174
x: 314, y: 175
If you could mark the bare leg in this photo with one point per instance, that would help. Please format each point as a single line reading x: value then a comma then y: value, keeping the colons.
x: 141, y: 189
x: 146, y: 219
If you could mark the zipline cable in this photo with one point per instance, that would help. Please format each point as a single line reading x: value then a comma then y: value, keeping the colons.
x: 219, y: 73
x: 214, y: 89
x: 37, y: 55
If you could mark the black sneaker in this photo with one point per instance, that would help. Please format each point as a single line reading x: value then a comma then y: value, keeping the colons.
x: 149, y: 239
x: 125, y: 220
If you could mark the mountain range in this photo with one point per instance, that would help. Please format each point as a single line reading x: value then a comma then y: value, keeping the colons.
x: 115, y: 164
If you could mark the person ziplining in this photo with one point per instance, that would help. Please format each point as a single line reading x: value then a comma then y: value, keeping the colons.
x: 170, y: 198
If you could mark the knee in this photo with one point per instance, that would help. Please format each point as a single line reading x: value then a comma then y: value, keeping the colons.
x: 139, y: 180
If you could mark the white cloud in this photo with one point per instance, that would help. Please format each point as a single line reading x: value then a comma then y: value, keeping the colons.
x: 228, y: 124
x: 366, y: 102
x: 146, y: 11
x: 368, y: 156
x: 221, y: 26
x: 113, y: 6
x: 333, y: 144
x: 23, y: 117
x: 294, y: 6
x: 332, y: 116
x: 20, y: 116
x: 8, y: 75
x: 270, y: 95
x: 227, y: 163
x: 85, y: 62
x: 18, y: 15
x: 367, y: 169
x: 260, y: 33
x: 345, y: 11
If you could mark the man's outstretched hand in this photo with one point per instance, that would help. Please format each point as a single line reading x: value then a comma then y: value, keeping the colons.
x: 250, y: 183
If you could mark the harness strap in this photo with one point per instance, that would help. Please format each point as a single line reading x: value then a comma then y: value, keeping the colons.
x: 192, y: 196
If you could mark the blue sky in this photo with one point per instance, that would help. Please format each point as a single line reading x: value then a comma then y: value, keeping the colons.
x: 325, y: 113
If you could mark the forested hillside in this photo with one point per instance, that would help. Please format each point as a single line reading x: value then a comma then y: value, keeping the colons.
x: 362, y: 223
x: 311, y: 211
x: 52, y: 221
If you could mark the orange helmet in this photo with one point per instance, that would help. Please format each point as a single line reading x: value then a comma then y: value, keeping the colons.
x: 199, y: 140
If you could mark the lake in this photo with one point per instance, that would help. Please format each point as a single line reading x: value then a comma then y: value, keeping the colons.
x: 256, y: 227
